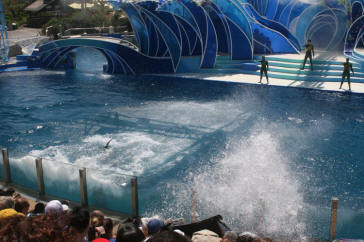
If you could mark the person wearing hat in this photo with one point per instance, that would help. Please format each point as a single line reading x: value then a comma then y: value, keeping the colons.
x: 154, y: 226
x: 205, y: 236
x: 54, y: 207
x: 230, y: 236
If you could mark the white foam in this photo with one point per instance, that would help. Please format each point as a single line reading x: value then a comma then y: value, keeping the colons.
x: 253, y: 176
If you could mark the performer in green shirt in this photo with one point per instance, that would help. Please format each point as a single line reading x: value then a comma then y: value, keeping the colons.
x: 309, y: 53
x: 263, y: 68
x: 347, y: 68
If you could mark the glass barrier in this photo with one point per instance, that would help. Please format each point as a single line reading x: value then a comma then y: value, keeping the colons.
x: 23, y: 171
x: 109, y: 190
x: 61, y: 180
x: 350, y: 218
x: 2, y: 176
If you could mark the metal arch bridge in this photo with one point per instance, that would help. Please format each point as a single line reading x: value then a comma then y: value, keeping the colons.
x: 120, y: 58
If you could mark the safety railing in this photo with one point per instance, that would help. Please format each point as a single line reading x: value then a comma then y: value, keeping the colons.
x: 90, y: 187
x: 95, y: 30
x: 119, y: 192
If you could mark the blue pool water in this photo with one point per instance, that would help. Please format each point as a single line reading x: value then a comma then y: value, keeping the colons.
x: 244, y: 148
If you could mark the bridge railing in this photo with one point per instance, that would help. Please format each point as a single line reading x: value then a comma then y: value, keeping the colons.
x: 95, y: 30
x: 103, y: 189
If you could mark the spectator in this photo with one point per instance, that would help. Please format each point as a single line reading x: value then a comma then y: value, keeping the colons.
x: 108, y: 226
x: 8, y: 192
x: 128, y: 232
x: 21, y: 205
x: 97, y: 218
x: 96, y: 229
x: 96, y: 232
x: 79, y: 220
x: 65, y: 205
x: 9, y: 227
x: 9, y: 212
x: 230, y: 236
x: 205, y: 236
x: 248, y: 237
x: 168, y: 236
x: 154, y: 226
x: 38, y: 210
x: 6, y: 202
x: 53, y: 207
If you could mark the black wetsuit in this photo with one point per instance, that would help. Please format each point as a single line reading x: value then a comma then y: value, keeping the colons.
x: 264, y: 68
x: 346, y: 73
x: 309, y: 52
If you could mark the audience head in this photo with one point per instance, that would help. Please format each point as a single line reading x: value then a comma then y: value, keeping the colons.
x: 97, y: 218
x: 248, y: 237
x: 230, y: 236
x: 128, y: 232
x: 6, y: 202
x: 168, y: 236
x: 108, y: 226
x: 79, y: 219
x: 53, y: 207
x: 65, y: 205
x: 39, y: 208
x: 205, y: 236
x: 154, y: 226
x: 21, y: 205
x: 8, y: 192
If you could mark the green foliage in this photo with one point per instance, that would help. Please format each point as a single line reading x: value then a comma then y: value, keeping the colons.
x: 14, y: 12
x: 97, y: 16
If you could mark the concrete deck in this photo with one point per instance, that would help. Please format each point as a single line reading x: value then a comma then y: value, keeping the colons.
x: 254, y: 79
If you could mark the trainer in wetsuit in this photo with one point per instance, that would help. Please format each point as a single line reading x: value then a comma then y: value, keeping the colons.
x: 347, y: 68
x: 309, y: 53
x: 263, y: 68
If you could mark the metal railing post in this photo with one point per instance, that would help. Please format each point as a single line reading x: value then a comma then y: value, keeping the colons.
x: 6, y: 166
x: 134, y: 196
x: 193, y: 206
x: 40, y: 180
x: 261, y: 215
x: 83, y: 187
x: 334, y: 203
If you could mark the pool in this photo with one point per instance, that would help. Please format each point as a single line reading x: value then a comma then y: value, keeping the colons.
x: 244, y: 148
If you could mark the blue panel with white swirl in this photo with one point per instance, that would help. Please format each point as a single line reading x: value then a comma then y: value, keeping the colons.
x: 175, y: 31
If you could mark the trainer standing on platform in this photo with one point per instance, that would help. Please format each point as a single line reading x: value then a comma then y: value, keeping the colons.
x: 309, y: 53
x: 263, y: 68
x: 347, y: 68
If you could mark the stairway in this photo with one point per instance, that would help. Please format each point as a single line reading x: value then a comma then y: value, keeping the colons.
x: 288, y: 69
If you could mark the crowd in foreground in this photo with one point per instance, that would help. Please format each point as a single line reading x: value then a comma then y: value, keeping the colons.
x: 57, y: 221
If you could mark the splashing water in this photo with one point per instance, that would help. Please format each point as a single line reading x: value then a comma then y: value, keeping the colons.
x: 252, y: 182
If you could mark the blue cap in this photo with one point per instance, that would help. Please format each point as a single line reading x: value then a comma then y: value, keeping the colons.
x: 154, y: 226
